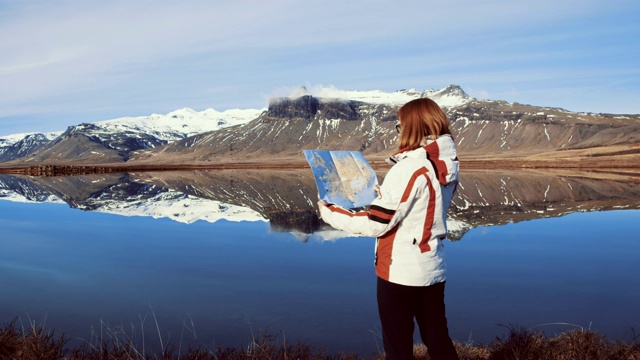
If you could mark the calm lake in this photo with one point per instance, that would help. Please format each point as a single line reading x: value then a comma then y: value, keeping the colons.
x: 213, y: 258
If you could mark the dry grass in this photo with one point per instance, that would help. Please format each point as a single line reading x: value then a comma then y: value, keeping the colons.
x: 526, y: 344
x: 19, y: 342
x: 30, y: 342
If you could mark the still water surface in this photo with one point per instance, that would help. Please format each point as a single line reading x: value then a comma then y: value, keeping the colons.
x: 534, y: 262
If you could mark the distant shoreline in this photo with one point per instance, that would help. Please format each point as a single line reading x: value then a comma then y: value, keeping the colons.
x: 629, y: 166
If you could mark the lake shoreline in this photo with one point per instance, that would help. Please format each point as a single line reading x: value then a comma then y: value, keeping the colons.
x: 65, y: 169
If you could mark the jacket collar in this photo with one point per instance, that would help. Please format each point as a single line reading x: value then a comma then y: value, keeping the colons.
x: 441, y: 152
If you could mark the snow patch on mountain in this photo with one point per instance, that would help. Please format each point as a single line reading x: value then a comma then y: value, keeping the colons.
x: 457, y: 226
x: 8, y: 140
x: 172, y: 205
x: 448, y: 97
x: 13, y: 196
x: 180, y: 123
x: 170, y: 127
x: 181, y: 208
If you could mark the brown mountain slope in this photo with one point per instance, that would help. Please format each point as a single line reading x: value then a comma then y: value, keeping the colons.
x: 488, y: 134
x: 484, y: 130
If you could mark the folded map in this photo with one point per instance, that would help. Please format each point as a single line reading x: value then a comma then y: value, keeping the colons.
x: 343, y: 178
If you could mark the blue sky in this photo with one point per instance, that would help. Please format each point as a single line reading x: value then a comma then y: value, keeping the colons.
x: 73, y: 61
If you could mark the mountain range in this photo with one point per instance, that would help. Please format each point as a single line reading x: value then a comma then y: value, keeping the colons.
x: 348, y: 120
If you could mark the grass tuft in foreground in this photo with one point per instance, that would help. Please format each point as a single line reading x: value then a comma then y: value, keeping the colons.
x: 32, y: 342
x: 35, y: 342
x: 526, y: 344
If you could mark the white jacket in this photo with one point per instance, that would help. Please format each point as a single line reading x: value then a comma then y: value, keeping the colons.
x: 409, y: 219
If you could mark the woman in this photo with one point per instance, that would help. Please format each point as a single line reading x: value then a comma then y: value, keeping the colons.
x: 409, y: 220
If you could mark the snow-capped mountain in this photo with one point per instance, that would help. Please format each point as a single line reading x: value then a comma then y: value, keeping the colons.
x: 448, y: 97
x: 364, y: 121
x: 178, y: 124
x: 19, y: 145
x: 8, y: 140
x: 328, y: 118
x: 113, y: 140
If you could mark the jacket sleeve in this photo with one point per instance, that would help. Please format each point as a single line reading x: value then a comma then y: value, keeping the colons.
x: 398, y: 190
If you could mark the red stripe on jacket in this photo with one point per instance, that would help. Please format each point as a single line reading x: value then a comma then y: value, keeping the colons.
x: 433, y: 153
x: 340, y: 210
x: 384, y: 251
x: 428, y: 221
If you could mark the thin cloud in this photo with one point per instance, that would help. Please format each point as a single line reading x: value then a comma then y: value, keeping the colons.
x: 138, y: 56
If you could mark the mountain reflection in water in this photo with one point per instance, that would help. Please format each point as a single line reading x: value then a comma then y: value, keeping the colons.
x: 74, y: 268
x: 286, y: 198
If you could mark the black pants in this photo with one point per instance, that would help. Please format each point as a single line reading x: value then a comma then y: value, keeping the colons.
x: 398, y: 305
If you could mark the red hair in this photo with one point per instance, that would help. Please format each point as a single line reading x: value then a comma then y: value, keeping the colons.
x: 420, y: 118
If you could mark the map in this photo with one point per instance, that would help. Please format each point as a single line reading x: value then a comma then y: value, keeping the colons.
x: 343, y: 178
